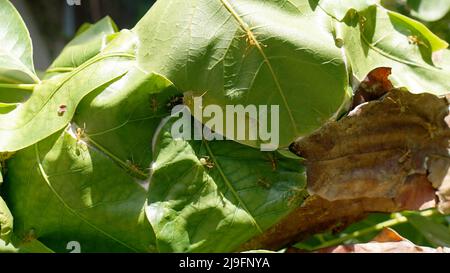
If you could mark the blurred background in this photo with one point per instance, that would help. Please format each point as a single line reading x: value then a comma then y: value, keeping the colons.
x: 52, y: 23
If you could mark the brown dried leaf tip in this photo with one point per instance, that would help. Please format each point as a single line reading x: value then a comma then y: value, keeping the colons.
x: 373, y: 87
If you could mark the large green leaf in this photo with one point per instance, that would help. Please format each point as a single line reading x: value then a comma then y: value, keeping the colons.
x: 250, y: 53
x: 121, y: 120
x: 429, y: 10
x: 53, y: 102
x: 60, y: 190
x: 16, y: 52
x: 91, y: 188
x: 90, y: 41
x: 214, y: 196
x: 380, y: 38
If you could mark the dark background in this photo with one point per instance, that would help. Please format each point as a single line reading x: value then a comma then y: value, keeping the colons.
x: 52, y: 23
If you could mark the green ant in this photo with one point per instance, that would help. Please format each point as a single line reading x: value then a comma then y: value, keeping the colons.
x: 135, y: 168
x: 205, y: 161
x: 264, y: 182
x: 273, y: 161
x: 415, y: 40
x: 251, y: 41
x: 174, y: 101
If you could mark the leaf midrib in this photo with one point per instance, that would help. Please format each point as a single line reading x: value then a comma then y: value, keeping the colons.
x: 70, y: 209
x: 230, y: 186
x: 252, y: 37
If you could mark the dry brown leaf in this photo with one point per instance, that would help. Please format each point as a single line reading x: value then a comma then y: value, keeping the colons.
x: 388, y: 241
x: 373, y: 87
x: 380, y: 149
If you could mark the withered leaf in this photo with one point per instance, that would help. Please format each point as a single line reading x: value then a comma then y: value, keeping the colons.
x: 380, y: 149
x: 385, y: 156
x: 373, y: 87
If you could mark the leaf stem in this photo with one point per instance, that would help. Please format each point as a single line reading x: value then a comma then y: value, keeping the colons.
x: 231, y: 187
x: 254, y: 41
x: 26, y: 87
x: 67, y: 206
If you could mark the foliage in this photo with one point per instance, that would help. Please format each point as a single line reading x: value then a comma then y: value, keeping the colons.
x: 426, y: 228
x: 433, y: 13
x: 87, y: 152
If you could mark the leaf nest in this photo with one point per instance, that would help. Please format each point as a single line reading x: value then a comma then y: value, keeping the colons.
x: 384, y: 156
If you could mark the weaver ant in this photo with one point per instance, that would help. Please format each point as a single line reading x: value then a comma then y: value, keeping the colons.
x: 205, y: 161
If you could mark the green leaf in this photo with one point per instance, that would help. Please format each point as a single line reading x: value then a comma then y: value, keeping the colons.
x: 214, y: 196
x: 6, y: 220
x: 429, y: 10
x: 339, y: 9
x: 380, y: 38
x: 54, y: 101
x: 133, y: 106
x: 442, y: 59
x: 92, y: 187
x: 15, y: 93
x: 7, y: 107
x: 60, y: 190
x: 16, y: 51
x: 7, y: 248
x: 83, y: 195
x: 33, y: 246
x: 405, y: 24
x: 90, y: 41
x: 435, y: 233
x: 249, y: 53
